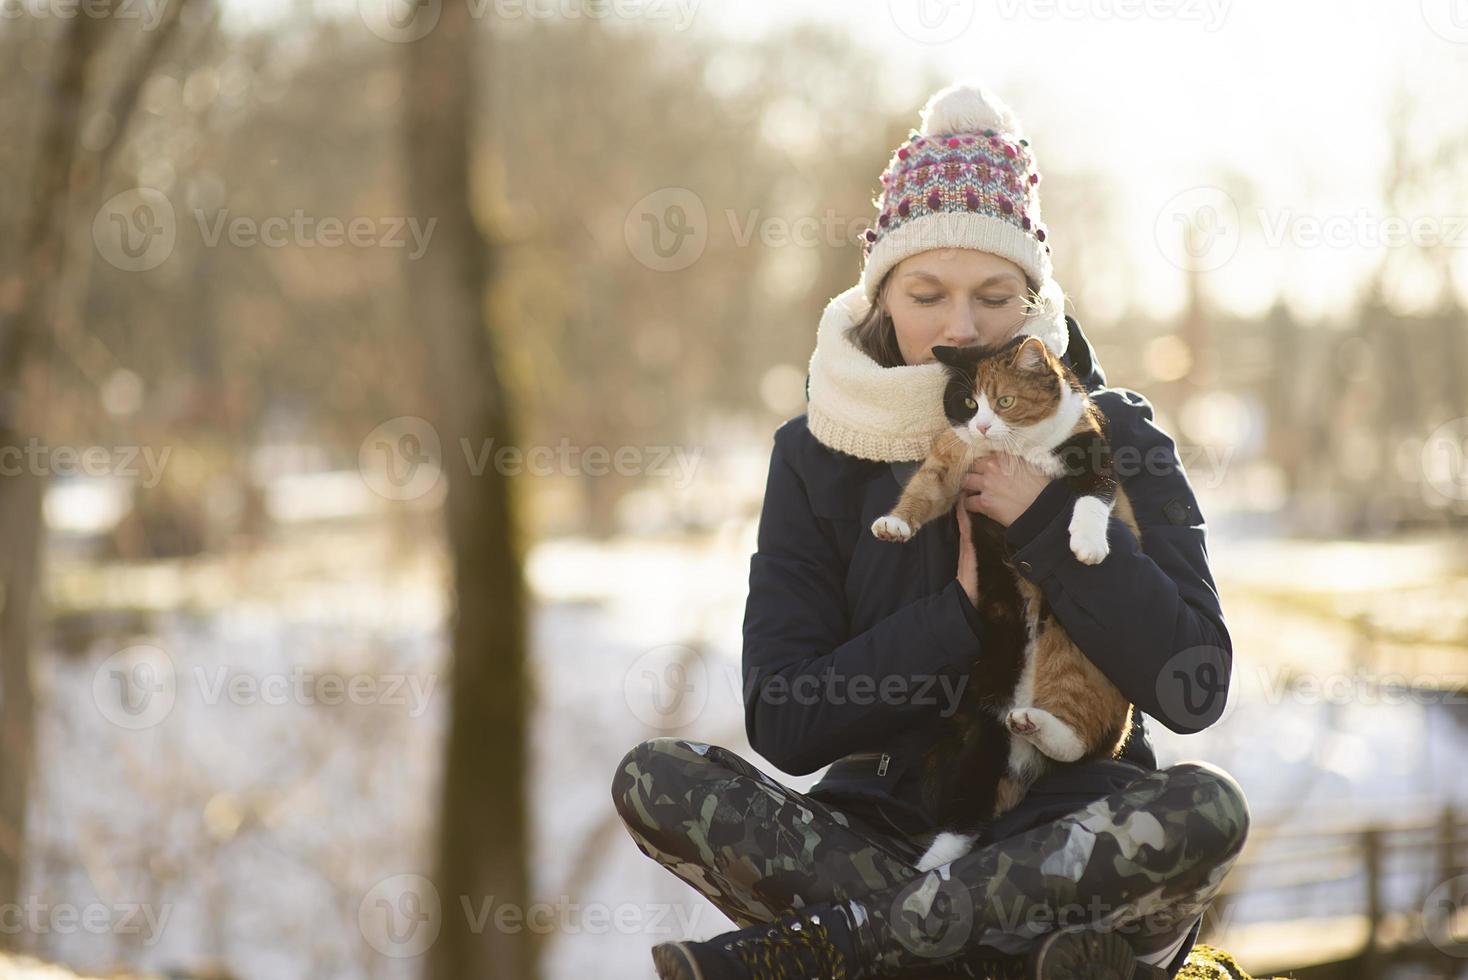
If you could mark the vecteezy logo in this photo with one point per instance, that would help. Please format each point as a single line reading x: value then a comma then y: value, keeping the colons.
x: 667, y: 687
x: 136, y: 687
x: 401, y: 21
x: 934, y: 915
x: 401, y: 916
x: 136, y: 230
x: 667, y: 230
x: 400, y: 458
x: 1448, y: 19
x: 1445, y: 916
x: 932, y: 21
x: 1193, y: 686
x: 1445, y: 459
x: 1198, y: 229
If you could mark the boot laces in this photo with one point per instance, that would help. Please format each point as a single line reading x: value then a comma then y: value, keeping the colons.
x: 798, y: 950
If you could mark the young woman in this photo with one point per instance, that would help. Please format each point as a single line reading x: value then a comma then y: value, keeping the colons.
x: 855, y: 649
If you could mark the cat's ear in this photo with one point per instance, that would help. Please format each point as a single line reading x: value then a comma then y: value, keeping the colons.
x: 1031, y: 355
x: 946, y: 355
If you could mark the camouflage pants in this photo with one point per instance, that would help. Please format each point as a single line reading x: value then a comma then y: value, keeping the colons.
x: 1144, y: 860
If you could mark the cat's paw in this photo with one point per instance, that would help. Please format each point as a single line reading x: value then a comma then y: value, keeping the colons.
x: 891, y: 528
x: 1088, y: 531
x: 1020, y: 722
x: 1049, y: 734
x: 945, y: 849
x: 1089, y: 549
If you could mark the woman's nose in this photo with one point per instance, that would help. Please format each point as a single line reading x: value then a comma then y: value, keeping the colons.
x: 960, y: 332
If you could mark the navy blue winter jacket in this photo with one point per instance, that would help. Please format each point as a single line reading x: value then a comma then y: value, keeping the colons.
x: 854, y: 648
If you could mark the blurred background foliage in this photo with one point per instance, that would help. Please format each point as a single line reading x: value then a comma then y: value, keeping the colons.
x: 1317, y: 395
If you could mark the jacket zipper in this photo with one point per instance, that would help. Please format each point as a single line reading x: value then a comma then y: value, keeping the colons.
x: 882, y: 758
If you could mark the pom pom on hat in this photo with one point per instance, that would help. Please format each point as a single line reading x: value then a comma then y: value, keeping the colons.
x: 967, y: 179
x: 967, y: 107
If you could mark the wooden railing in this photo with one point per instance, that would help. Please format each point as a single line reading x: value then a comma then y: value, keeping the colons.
x: 1395, y: 891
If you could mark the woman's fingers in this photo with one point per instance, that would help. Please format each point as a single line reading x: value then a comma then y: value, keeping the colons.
x: 986, y: 468
x: 982, y: 466
x: 968, y: 567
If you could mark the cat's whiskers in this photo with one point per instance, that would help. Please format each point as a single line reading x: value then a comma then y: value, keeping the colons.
x: 1009, y: 442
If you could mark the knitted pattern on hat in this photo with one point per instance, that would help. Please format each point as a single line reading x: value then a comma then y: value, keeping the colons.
x: 967, y: 179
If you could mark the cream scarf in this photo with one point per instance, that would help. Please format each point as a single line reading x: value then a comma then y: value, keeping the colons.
x: 861, y: 408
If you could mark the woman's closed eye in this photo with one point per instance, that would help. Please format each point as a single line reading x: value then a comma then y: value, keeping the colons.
x: 993, y: 302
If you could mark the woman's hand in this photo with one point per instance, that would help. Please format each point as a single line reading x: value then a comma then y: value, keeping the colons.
x: 968, y: 559
x: 1002, y: 486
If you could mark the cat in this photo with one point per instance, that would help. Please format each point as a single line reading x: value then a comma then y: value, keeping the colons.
x: 1033, y: 699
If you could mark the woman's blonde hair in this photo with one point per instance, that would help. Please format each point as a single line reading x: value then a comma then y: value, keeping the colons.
x: 875, y: 333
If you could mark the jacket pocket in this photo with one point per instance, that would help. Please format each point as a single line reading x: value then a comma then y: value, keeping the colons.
x: 870, y: 771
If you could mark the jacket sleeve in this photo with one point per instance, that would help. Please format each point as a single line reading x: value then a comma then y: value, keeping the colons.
x: 812, y: 692
x: 1149, y: 614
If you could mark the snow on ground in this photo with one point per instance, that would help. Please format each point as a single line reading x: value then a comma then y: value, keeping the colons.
x: 254, y: 822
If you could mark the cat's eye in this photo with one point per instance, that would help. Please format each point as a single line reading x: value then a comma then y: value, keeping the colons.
x: 970, y: 404
x: 1005, y: 401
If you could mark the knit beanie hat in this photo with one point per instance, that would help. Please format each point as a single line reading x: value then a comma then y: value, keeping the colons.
x: 967, y: 179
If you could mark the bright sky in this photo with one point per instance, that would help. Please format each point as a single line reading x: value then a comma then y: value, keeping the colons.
x: 1282, y: 102
x: 1168, y: 95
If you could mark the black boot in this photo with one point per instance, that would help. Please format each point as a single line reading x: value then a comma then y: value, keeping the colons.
x: 812, y: 944
x: 1089, y: 955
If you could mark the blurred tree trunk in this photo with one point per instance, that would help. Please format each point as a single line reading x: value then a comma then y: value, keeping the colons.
x: 483, y: 835
x: 26, y: 309
x: 29, y: 305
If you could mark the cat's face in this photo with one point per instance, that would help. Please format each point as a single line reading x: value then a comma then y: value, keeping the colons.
x: 1009, y: 395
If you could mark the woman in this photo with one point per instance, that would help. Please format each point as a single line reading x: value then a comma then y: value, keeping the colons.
x: 855, y: 649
